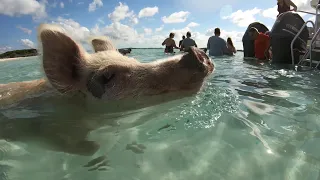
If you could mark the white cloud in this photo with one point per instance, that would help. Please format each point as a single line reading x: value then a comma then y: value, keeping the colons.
x: 304, y: 5
x: 120, y: 34
x: 159, y: 28
x: 148, y: 11
x: 193, y: 24
x: 101, y: 21
x: 61, y: 5
x: 120, y: 13
x: 208, y: 6
x: 5, y: 49
x: 26, y: 30
x: 95, y: 3
x: 176, y: 17
x: 124, y: 35
x: 27, y: 43
x: 313, y: 18
x: 73, y: 28
x: 23, y: 7
x: 147, y: 31
x: 243, y: 18
x: 134, y: 20
x: 270, y: 12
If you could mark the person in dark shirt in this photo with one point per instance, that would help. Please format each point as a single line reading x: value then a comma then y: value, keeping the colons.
x: 180, y: 42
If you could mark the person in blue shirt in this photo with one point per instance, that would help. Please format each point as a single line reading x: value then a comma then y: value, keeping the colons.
x: 217, y: 46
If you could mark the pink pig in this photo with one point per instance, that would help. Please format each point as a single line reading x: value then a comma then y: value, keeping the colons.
x: 107, y: 75
x: 80, y: 84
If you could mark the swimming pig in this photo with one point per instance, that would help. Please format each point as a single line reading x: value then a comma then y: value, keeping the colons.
x: 107, y: 75
x: 79, y: 86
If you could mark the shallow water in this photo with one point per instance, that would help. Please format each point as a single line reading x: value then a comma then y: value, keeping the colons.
x: 251, y: 121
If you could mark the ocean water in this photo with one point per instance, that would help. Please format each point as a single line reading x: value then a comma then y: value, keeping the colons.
x: 251, y: 121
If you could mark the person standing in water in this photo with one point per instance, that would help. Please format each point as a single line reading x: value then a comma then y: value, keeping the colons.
x: 261, y: 43
x: 188, y: 42
x: 284, y: 6
x: 170, y: 44
x: 216, y: 45
x: 180, y: 42
x: 230, y: 45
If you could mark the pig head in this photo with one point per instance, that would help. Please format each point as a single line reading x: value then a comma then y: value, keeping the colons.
x: 109, y: 75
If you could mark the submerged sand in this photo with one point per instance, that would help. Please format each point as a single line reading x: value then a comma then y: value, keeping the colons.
x: 10, y: 59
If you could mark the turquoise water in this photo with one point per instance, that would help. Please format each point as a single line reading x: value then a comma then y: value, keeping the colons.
x: 251, y: 121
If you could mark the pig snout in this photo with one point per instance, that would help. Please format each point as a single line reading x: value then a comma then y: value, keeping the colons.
x: 197, y: 59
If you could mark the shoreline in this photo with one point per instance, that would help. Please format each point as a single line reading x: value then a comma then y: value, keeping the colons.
x: 12, y: 59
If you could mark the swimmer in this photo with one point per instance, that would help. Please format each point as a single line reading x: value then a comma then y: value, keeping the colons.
x: 230, y: 45
x: 170, y: 44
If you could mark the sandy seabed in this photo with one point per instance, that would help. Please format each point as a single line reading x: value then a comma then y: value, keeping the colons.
x: 10, y: 59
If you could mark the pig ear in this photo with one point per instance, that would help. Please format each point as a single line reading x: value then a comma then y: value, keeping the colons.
x: 62, y: 58
x: 101, y: 44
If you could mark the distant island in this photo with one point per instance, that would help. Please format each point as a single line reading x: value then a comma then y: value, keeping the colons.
x: 19, y: 53
x: 34, y: 52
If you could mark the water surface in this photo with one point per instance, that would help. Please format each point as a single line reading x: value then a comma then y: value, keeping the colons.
x: 251, y: 121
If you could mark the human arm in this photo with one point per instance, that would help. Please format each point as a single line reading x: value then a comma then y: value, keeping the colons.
x: 208, y: 44
x: 164, y: 42
x: 290, y: 3
x: 195, y: 44
x: 174, y: 44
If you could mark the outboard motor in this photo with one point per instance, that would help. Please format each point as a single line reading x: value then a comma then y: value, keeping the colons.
x: 284, y: 29
x: 248, y: 42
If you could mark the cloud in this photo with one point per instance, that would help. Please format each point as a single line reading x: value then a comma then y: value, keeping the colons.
x: 61, y: 5
x: 134, y: 20
x: 159, y: 28
x: 273, y: 12
x: 148, y: 12
x: 193, y: 24
x: 5, y: 49
x: 27, y: 43
x: 73, y: 28
x: 177, y: 17
x: 270, y: 12
x: 37, y: 9
x: 313, y: 18
x: 147, y: 31
x: 207, y: 6
x: 26, y: 30
x: 120, y: 13
x: 243, y: 18
x: 94, y: 4
x: 304, y: 5
x: 79, y: 3
x: 120, y: 34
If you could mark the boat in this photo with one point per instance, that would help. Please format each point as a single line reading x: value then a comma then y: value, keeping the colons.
x: 292, y: 41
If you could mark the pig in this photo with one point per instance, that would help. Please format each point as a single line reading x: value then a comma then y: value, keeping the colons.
x: 79, y: 79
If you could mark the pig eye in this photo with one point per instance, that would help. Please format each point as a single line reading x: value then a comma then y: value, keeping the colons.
x: 107, y: 77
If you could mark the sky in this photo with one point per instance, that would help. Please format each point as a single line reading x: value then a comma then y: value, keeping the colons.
x: 135, y: 23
